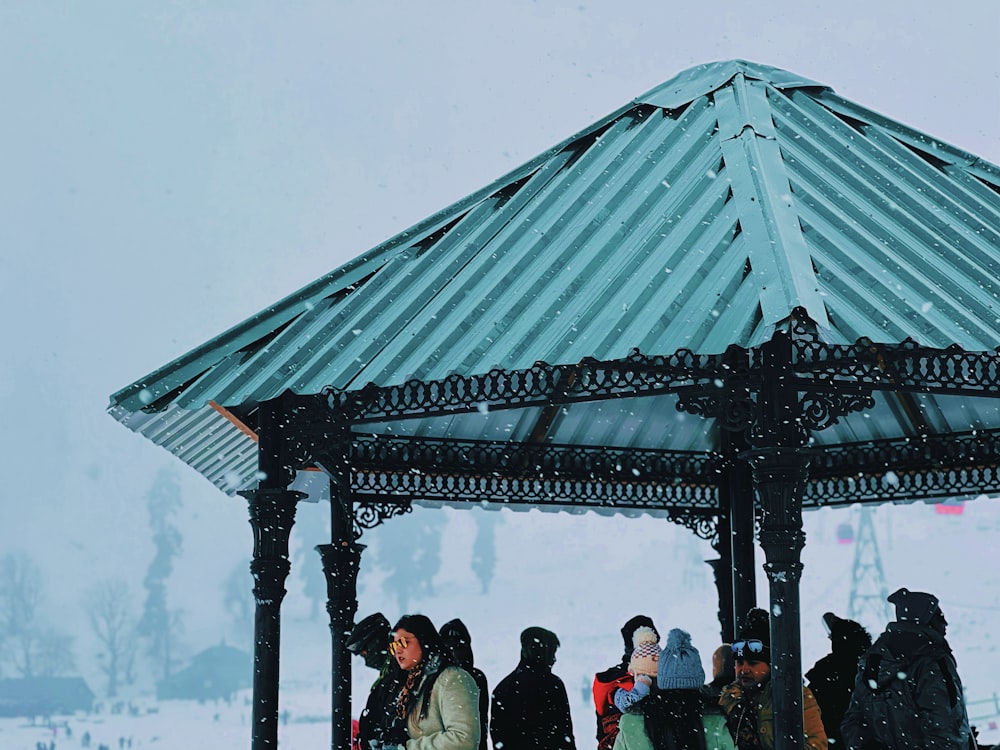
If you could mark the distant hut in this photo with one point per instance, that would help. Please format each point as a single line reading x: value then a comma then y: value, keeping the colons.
x: 44, y: 696
x: 216, y: 672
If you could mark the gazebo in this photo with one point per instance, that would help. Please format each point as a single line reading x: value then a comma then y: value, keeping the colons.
x: 737, y: 297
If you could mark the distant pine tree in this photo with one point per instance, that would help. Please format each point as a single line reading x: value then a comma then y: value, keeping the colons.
x: 307, y: 563
x: 237, y: 597
x: 484, y: 548
x: 158, y: 623
x: 409, y: 548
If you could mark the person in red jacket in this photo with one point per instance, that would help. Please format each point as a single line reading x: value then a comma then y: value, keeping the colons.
x: 608, y: 682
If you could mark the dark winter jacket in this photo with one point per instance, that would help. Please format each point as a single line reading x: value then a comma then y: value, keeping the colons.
x: 917, y: 699
x: 832, y: 678
x: 530, y: 710
x: 376, y: 718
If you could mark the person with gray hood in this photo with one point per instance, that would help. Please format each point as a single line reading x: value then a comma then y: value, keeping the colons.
x: 907, y: 693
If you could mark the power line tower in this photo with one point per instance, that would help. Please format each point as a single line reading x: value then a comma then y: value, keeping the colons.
x: 868, y: 604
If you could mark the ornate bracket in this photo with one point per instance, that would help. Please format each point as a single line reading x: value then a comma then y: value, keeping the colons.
x: 370, y: 515
x: 822, y: 409
x: 733, y: 410
x: 703, y: 527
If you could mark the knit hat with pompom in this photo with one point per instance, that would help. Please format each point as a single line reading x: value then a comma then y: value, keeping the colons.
x: 680, y: 663
x: 646, y: 652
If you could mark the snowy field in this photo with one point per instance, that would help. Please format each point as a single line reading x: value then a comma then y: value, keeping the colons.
x: 175, y: 725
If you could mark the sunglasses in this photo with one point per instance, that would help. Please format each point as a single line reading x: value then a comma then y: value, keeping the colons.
x: 753, y: 646
x: 398, y: 645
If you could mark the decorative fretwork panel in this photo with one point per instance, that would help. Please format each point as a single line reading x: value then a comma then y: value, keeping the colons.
x: 540, y: 385
x: 389, y: 473
x: 904, y: 470
x: 907, y: 366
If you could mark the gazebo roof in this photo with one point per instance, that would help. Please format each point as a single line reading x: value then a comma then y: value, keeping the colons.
x: 698, y: 217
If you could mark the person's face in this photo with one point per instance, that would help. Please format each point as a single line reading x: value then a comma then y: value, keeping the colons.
x: 751, y: 674
x: 939, y: 623
x: 405, y: 649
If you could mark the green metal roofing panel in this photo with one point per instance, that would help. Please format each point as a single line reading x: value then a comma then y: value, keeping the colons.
x: 705, y: 79
x: 697, y: 216
x: 779, y: 255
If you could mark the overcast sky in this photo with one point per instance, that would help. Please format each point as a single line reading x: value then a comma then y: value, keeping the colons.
x: 170, y: 168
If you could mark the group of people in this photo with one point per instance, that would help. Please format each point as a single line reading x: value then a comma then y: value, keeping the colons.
x: 902, y: 691
x: 429, y: 695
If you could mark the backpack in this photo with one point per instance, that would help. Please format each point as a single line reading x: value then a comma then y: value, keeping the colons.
x: 891, y: 712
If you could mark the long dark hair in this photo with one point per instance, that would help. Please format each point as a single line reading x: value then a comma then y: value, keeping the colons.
x: 673, y: 719
x: 415, y: 685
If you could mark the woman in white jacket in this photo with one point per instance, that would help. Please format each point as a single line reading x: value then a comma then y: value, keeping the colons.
x: 437, y: 704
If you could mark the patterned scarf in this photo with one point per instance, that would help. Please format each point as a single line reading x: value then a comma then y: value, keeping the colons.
x: 407, y: 693
x: 417, y: 688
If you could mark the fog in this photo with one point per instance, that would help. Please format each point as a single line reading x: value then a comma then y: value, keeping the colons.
x: 172, y: 168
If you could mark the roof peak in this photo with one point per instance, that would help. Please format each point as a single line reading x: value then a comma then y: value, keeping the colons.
x: 703, y: 79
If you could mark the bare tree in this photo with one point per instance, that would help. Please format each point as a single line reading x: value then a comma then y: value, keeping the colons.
x: 30, y: 648
x: 109, y: 611
x: 53, y: 653
x: 20, y: 594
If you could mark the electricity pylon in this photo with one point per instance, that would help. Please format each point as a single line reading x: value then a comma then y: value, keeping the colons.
x: 868, y: 603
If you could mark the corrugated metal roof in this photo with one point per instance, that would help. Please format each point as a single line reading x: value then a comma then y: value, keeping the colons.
x: 698, y: 215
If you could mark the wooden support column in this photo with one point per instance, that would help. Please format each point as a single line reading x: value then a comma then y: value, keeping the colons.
x: 780, y: 471
x: 272, y: 514
x: 341, y: 562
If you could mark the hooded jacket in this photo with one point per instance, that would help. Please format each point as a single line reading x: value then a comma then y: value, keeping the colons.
x: 831, y: 679
x: 530, y: 706
x: 908, y: 694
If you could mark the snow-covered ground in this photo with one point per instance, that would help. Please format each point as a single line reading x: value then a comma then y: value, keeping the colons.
x: 175, y: 725
x: 582, y: 577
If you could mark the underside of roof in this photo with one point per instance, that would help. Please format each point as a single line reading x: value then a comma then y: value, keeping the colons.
x: 699, y: 216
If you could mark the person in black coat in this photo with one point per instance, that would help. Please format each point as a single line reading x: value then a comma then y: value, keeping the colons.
x: 907, y: 693
x: 832, y: 678
x: 369, y: 639
x: 530, y: 707
x: 456, y: 637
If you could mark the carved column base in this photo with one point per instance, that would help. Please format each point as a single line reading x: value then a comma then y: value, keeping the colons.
x: 272, y: 514
x: 341, y: 563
